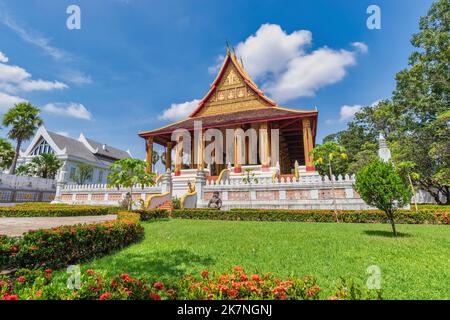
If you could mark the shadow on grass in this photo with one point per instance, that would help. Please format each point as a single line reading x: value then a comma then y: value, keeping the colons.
x: 163, y: 265
x: 388, y: 234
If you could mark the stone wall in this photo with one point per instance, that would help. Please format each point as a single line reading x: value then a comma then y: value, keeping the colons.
x: 100, y: 194
x: 311, y: 191
x: 15, y: 188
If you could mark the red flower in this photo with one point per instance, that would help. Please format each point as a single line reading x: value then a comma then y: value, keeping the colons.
x: 105, y: 296
x: 238, y: 269
x: 48, y: 271
x: 255, y: 277
x: 90, y: 272
x: 244, y: 277
x: 155, y: 296
x: 73, y: 231
x: 159, y: 286
x: 232, y: 293
x: 126, y: 277
x: 10, y: 297
x: 205, y: 274
x: 21, y: 279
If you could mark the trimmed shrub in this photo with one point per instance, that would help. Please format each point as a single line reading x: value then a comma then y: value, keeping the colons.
x: 62, y: 246
x: 55, y: 210
x: 152, y: 214
x: 369, y: 216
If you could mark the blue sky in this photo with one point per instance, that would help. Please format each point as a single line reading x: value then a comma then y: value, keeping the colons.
x: 132, y: 60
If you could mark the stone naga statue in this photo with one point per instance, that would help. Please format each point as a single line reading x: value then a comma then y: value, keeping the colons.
x: 215, y: 202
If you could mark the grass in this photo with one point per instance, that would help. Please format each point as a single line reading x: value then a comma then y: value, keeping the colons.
x: 415, y: 265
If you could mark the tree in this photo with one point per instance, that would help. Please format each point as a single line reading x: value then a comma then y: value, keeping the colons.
x: 406, y: 170
x: 83, y: 173
x: 23, y: 120
x: 326, y: 157
x: 45, y: 165
x: 6, y: 154
x: 129, y: 172
x: 380, y: 186
x: 415, y: 121
x: 155, y: 158
x: 25, y: 170
x: 423, y: 92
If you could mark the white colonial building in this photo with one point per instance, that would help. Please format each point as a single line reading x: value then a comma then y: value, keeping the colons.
x: 72, y: 152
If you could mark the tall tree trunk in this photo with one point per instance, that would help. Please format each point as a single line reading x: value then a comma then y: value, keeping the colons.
x: 130, y: 203
x: 391, y: 216
x: 12, y: 170
x: 413, y: 191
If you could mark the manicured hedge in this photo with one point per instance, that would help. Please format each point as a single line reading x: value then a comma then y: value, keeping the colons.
x: 370, y: 216
x: 235, y: 285
x: 153, y: 214
x: 55, y: 210
x: 62, y: 246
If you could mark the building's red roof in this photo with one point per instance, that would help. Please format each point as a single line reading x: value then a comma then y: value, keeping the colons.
x: 233, y: 118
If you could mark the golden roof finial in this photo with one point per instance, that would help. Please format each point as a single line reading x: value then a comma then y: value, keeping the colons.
x: 242, y: 62
x: 228, y: 47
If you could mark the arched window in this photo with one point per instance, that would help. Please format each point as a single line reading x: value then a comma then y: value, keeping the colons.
x: 41, y: 148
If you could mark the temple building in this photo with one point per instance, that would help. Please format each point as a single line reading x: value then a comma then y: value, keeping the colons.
x: 235, y: 102
x: 73, y: 152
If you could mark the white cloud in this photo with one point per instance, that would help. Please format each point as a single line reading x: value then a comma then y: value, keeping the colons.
x: 307, y: 73
x: 3, y: 57
x: 7, y: 101
x: 73, y: 110
x: 362, y: 47
x: 41, y: 85
x: 270, y: 49
x: 348, y: 112
x: 76, y: 77
x: 30, y: 36
x: 286, y: 70
x: 178, y: 111
x: 14, y: 79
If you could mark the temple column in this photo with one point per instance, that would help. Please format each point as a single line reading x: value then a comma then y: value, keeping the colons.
x: 238, y: 149
x: 178, y: 155
x: 169, y: 146
x: 149, y: 154
x: 308, y: 145
x: 264, y: 146
x: 200, y: 150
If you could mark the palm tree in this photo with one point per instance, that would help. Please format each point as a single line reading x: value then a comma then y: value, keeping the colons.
x: 129, y: 172
x: 6, y: 154
x: 23, y: 120
x: 46, y: 165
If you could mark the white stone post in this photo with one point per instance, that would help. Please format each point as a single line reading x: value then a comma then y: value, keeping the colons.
x: 60, y: 183
x: 166, y: 182
x: 200, y: 181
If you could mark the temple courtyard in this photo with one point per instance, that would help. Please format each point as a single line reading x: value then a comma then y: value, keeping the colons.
x: 414, y: 265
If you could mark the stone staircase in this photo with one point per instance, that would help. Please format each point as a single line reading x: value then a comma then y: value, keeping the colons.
x: 166, y: 206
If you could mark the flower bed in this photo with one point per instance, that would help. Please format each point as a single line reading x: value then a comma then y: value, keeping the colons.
x: 61, y: 246
x: 42, y: 285
x: 55, y: 210
x: 370, y: 216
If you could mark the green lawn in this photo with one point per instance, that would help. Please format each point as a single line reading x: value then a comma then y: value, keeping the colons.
x: 415, y: 265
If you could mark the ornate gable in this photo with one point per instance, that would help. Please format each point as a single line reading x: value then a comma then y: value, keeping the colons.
x: 231, y: 91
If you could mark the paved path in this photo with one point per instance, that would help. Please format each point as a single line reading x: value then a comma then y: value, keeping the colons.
x: 18, y: 226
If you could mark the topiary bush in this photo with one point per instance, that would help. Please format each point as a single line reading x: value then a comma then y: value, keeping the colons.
x: 350, y: 216
x: 55, y: 210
